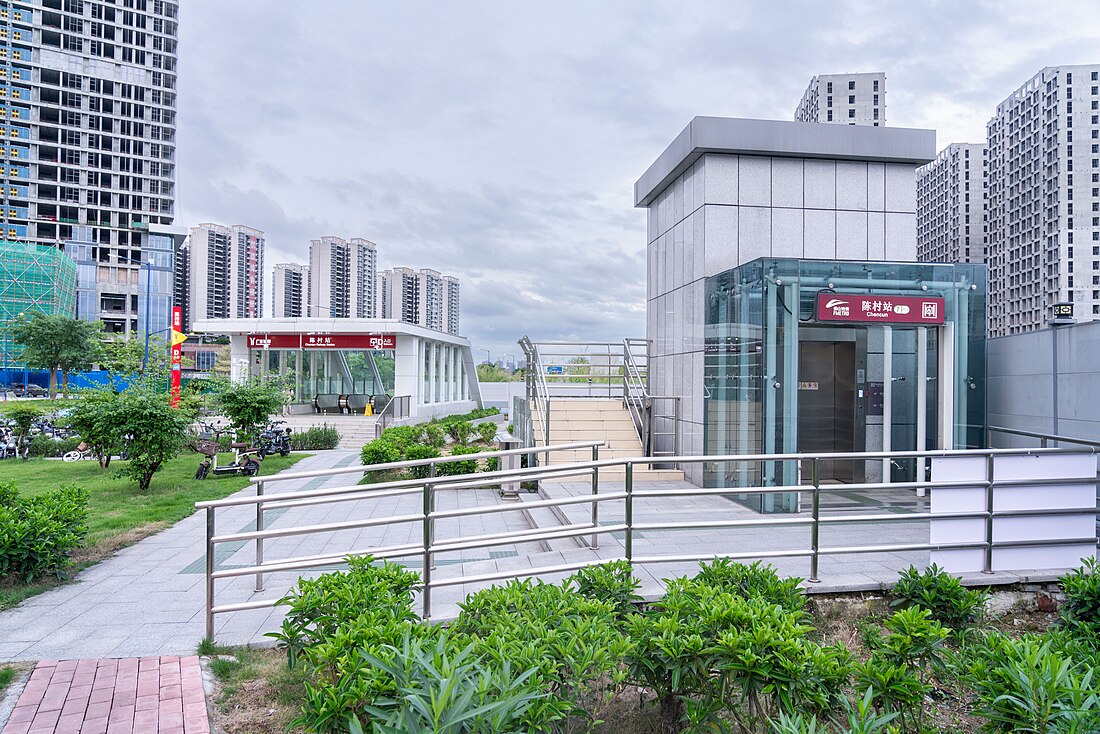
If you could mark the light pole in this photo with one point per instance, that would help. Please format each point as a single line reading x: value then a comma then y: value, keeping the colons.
x: 488, y: 355
x: 506, y: 354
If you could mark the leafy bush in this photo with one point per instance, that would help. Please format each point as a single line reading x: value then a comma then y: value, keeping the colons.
x: 250, y: 403
x: 709, y: 650
x: 492, y: 464
x: 1023, y: 685
x: 37, y: 534
x: 612, y: 583
x: 418, y: 452
x: 456, y: 468
x: 754, y: 581
x: 315, y: 438
x: 486, y: 432
x: 460, y: 431
x: 473, y: 415
x: 403, y: 436
x: 1082, y: 589
x: 902, y: 662
x: 941, y: 594
x: 441, y: 689
x: 45, y: 446
x: 573, y: 643
x: 435, y: 435
x: 379, y: 451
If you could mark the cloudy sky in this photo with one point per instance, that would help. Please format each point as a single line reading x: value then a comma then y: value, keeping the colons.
x: 500, y: 141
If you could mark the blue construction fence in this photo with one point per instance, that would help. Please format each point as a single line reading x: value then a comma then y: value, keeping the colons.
x: 77, y: 380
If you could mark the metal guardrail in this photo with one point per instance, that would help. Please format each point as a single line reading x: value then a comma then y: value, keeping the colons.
x: 263, y: 502
x: 396, y: 408
x: 574, y: 370
x: 429, y: 546
x: 1044, y: 438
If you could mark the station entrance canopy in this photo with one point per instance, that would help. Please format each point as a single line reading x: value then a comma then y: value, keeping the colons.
x: 346, y: 363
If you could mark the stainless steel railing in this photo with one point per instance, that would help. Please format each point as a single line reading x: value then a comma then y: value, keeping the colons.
x: 428, y: 515
x: 396, y: 408
x: 263, y: 502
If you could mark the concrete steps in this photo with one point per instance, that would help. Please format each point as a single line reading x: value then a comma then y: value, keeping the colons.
x: 604, y: 420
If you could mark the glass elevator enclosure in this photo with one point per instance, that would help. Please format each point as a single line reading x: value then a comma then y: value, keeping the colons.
x: 816, y: 356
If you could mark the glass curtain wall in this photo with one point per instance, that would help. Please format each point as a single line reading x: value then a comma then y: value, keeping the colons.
x: 313, y: 372
x: 756, y: 317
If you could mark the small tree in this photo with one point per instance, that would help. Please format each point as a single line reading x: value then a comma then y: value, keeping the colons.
x: 156, y: 432
x: 99, y: 419
x: 24, y: 416
x: 249, y: 404
x: 56, y: 343
x: 124, y: 357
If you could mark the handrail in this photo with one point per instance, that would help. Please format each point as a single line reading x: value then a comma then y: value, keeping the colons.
x: 388, y: 414
x: 430, y: 546
x: 1046, y: 437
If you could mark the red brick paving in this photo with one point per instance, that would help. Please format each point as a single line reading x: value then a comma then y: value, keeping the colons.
x: 128, y: 696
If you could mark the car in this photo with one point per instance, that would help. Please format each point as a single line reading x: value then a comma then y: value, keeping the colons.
x: 31, y: 391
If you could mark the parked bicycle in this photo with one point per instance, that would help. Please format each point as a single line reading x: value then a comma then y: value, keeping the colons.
x: 80, y: 453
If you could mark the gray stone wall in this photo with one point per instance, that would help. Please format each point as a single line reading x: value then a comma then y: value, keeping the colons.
x: 1021, y: 384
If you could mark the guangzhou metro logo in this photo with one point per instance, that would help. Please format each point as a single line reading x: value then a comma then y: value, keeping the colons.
x: 838, y: 307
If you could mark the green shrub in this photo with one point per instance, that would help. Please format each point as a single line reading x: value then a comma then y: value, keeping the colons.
x: 442, y: 688
x: 1082, y: 589
x: 1023, y: 685
x: 727, y: 653
x: 486, y: 432
x: 403, y: 436
x: 47, y: 447
x: 435, y: 435
x: 38, y: 534
x: 573, y: 643
x: 754, y: 581
x: 902, y: 662
x: 379, y: 451
x: 460, y: 431
x: 941, y: 594
x: 456, y: 468
x: 612, y: 583
x: 315, y: 438
x: 492, y: 464
x: 417, y: 452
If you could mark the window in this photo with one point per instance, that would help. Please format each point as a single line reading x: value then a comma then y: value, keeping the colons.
x: 851, y: 84
x: 851, y: 113
x: 829, y: 87
x: 851, y: 99
x: 829, y: 101
x: 830, y: 118
x: 874, y: 85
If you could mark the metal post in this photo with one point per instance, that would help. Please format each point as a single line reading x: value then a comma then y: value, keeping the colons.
x: 595, y: 541
x: 259, y: 541
x: 210, y: 573
x: 629, y: 539
x: 988, y: 567
x: 546, y: 428
x: 426, y: 576
x: 815, y: 528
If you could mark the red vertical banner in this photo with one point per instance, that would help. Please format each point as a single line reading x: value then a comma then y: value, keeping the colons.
x: 178, y: 337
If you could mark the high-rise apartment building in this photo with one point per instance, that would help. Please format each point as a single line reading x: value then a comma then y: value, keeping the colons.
x: 225, y: 272
x: 181, y: 281
x: 1044, y: 200
x: 951, y: 197
x: 426, y: 298
x: 399, y: 293
x: 288, y: 284
x: 88, y: 104
x: 341, y: 280
x: 361, y: 273
x: 451, y: 304
x: 430, y: 286
x: 845, y: 99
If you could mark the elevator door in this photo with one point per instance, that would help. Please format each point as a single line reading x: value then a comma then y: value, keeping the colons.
x: 827, y: 405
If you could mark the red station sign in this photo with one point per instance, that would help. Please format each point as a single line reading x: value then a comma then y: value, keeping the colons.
x: 322, y: 341
x: 868, y: 309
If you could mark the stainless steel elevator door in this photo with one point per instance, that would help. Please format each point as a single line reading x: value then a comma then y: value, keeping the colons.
x: 827, y: 404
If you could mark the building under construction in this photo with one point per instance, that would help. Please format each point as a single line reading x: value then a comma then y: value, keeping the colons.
x: 33, y: 280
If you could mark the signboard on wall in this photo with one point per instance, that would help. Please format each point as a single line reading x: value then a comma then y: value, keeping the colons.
x: 852, y: 308
x: 322, y: 341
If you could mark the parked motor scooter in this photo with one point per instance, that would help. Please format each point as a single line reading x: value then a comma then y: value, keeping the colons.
x: 246, y: 460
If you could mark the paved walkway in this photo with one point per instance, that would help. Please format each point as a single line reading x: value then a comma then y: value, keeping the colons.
x: 147, y: 696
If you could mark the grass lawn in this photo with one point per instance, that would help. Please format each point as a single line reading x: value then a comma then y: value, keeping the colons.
x: 118, y: 514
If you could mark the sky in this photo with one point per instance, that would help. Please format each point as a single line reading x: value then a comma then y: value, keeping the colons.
x: 500, y: 141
